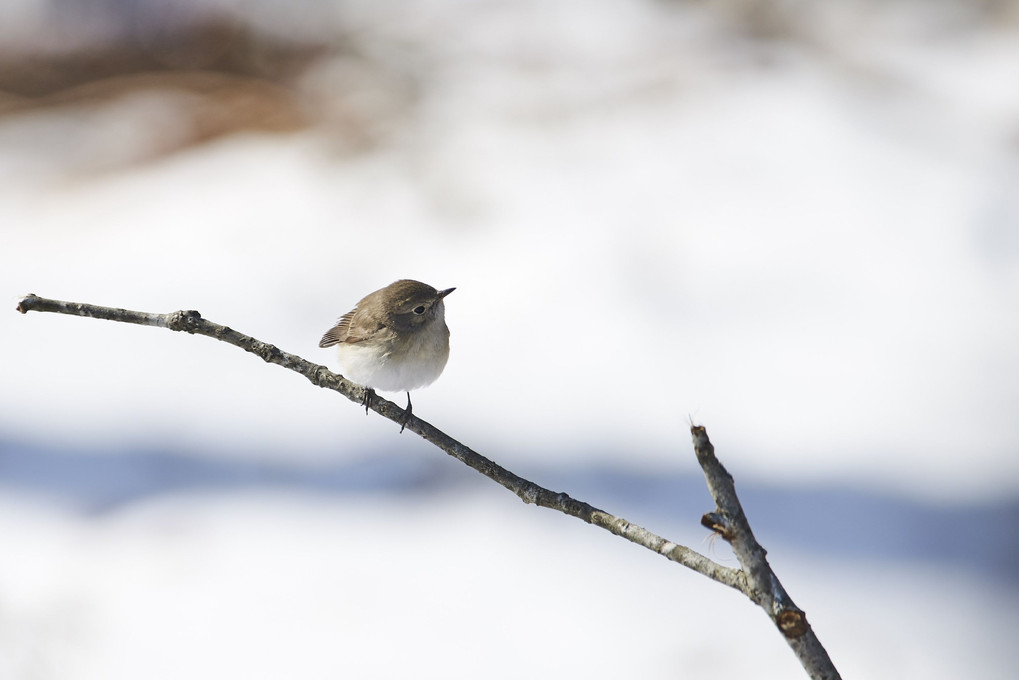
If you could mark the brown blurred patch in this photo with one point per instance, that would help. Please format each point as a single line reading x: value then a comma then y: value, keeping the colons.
x: 216, y: 45
x: 234, y: 79
x: 140, y: 95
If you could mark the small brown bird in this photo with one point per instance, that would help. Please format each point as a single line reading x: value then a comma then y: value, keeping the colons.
x: 394, y: 340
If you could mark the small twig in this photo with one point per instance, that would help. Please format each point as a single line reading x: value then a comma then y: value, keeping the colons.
x: 764, y: 588
x: 529, y: 492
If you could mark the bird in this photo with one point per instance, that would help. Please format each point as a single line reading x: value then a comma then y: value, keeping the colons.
x: 394, y: 339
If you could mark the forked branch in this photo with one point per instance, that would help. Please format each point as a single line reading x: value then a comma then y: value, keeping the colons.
x: 755, y: 579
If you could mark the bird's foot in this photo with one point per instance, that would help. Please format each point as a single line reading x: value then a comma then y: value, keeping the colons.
x: 406, y: 416
x: 366, y: 400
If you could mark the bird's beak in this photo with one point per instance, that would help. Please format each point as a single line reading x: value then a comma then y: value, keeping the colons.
x: 444, y: 293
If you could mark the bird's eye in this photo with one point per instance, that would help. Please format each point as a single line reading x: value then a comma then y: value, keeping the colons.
x: 420, y: 309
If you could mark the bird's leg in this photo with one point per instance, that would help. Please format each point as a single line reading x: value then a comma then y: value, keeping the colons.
x: 366, y: 400
x: 406, y: 416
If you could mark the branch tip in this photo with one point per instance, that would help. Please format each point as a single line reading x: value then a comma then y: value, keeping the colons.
x: 27, y: 303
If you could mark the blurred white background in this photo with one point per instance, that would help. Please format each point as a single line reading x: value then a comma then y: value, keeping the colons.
x: 795, y: 223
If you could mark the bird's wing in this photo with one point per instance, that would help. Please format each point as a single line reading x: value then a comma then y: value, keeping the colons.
x: 337, y: 333
x: 356, y: 325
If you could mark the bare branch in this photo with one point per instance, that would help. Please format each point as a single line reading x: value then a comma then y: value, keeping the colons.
x: 764, y: 587
x: 756, y: 579
x: 529, y: 492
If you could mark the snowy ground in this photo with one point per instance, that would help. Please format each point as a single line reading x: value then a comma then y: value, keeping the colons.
x: 271, y: 585
x: 808, y: 243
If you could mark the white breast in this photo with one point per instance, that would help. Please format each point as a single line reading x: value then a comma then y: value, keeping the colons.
x: 398, y: 369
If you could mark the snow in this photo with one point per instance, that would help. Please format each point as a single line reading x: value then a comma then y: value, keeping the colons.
x: 267, y: 585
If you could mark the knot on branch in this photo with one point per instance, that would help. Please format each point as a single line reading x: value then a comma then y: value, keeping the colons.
x: 265, y: 350
x: 529, y: 494
x: 792, y: 622
x: 720, y: 524
x: 183, y: 320
x: 322, y: 377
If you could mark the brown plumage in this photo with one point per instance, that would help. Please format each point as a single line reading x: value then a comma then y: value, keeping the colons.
x: 395, y: 339
x: 391, y: 307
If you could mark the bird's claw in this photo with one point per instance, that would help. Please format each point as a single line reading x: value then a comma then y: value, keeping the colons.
x: 366, y: 400
x: 407, y: 414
